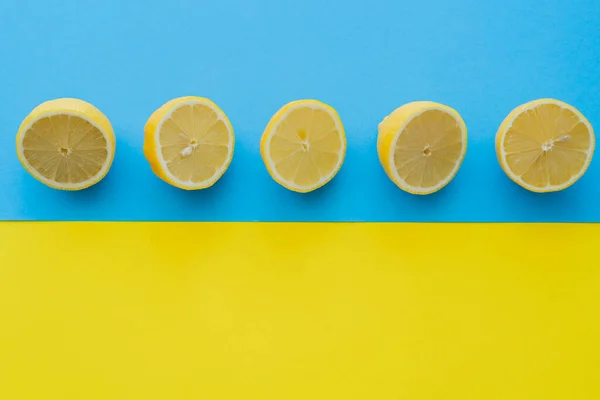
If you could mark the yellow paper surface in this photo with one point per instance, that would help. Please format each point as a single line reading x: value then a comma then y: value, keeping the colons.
x: 299, y: 311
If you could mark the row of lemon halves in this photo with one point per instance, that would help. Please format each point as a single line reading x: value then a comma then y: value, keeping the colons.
x: 544, y: 145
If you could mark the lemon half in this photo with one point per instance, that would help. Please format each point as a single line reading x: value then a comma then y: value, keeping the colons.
x: 66, y: 144
x: 545, y: 145
x: 189, y: 142
x: 421, y: 146
x: 304, y: 145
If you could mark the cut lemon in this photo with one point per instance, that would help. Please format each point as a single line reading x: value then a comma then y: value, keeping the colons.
x: 304, y: 145
x: 545, y: 145
x: 189, y: 142
x: 66, y: 144
x: 421, y: 146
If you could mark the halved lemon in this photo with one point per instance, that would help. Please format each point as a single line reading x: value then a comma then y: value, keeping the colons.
x: 545, y: 145
x: 189, y: 142
x: 66, y: 144
x: 421, y: 146
x: 304, y: 145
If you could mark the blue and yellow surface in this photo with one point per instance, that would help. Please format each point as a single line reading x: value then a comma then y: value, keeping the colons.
x: 354, y: 291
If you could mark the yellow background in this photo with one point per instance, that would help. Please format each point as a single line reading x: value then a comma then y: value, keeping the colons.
x: 299, y: 311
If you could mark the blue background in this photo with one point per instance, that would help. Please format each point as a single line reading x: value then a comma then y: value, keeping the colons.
x: 365, y: 58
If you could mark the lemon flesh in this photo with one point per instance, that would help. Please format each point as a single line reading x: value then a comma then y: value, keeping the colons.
x: 304, y: 145
x: 545, y: 145
x: 66, y: 144
x: 421, y: 146
x: 189, y: 142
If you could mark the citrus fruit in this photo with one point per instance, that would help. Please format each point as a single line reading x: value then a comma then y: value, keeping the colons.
x: 66, y: 144
x: 545, y: 145
x: 304, y: 145
x: 421, y: 146
x: 189, y: 142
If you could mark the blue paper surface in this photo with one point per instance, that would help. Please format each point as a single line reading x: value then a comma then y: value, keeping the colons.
x: 365, y: 58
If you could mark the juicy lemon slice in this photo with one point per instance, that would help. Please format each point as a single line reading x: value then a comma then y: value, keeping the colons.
x: 304, y: 145
x: 545, y: 145
x: 66, y: 144
x: 189, y: 142
x: 421, y: 146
